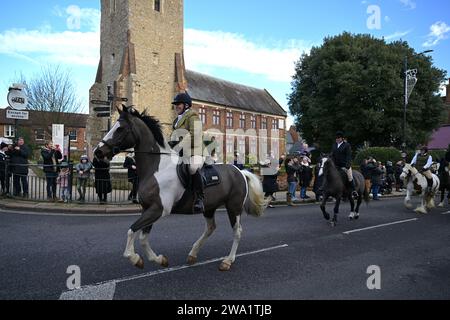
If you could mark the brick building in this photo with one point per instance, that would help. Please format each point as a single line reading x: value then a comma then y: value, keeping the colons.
x: 441, y: 138
x: 39, y: 127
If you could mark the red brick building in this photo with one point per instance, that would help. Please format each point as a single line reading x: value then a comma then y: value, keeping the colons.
x: 39, y: 127
x: 242, y: 119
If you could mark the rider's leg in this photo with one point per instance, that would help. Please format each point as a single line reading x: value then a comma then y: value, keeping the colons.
x: 197, y: 184
x: 352, y: 183
x: 429, y: 177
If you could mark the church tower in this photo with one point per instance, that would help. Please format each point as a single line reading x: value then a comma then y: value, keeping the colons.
x: 141, y: 59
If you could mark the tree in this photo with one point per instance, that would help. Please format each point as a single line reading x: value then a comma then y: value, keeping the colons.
x: 354, y: 83
x: 52, y: 92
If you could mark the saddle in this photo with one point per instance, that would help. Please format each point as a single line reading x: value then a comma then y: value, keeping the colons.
x: 209, y: 173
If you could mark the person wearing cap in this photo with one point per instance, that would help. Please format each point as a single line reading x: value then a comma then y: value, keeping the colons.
x: 341, y: 154
x: 191, y: 149
x: 422, y: 161
x: 4, y: 176
x: 83, y: 170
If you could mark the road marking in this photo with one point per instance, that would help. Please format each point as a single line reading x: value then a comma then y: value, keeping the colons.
x: 448, y: 212
x: 379, y: 226
x: 105, y: 290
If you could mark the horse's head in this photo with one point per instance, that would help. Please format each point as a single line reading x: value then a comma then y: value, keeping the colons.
x: 408, y: 171
x: 324, y: 164
x: 120, y: 138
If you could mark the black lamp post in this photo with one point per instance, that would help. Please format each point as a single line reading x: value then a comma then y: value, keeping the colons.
x: 406, y: 96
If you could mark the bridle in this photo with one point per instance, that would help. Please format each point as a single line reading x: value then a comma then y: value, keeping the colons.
x: 128, y: 130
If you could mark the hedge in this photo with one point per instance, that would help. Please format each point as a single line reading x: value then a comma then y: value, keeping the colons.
x: 382, y: 154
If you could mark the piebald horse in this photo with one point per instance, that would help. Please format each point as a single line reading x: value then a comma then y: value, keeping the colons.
x: 160, y: 189
x: 415, y: 180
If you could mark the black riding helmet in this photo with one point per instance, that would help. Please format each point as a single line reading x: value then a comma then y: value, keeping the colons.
x: 183, y: 98
x: 339, y: 134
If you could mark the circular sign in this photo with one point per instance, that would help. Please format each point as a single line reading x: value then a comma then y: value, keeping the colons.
x: 17, y: 99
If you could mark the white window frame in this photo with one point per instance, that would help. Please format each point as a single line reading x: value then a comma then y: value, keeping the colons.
x: 76, y: 135
x: 229, y: 119
x: 9, y: 131
x: 216, y: 117
x: 36, y: 134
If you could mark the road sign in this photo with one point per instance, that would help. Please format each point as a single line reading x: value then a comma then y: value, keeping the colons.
x: 17, y: 99
x: 102, y: 109
x: 103, y: 115
x: 106, y: 103
x: 17, y: 114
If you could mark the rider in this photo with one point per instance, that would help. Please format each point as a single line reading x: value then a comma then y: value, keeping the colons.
x: 423, y: 161
x: 341, y: 154
x: 189, y: 120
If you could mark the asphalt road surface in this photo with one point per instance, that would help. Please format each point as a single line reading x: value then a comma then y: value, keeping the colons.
x: 288, y: 254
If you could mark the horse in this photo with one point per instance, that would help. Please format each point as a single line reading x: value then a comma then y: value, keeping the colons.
x: 161, y: 189
x: 335, y: 185
x: 415, y: 180
x: 444, y: 178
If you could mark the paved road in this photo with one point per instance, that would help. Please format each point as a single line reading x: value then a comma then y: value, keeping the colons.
x: 290, y: 253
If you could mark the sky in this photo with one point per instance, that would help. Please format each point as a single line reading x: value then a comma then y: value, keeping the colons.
x: 251, y: 42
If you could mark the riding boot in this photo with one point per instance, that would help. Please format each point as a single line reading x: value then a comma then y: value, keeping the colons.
x: 197, y: 184
x: 430, y: 185
x: 353, y: 189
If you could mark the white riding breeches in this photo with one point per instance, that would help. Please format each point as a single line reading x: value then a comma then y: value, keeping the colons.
x: 349, y: 173
x: 195, y: 163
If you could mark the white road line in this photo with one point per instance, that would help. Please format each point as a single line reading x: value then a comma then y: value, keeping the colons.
x: 448, y: 212
x: 379, y: 226
x: 105, y: 290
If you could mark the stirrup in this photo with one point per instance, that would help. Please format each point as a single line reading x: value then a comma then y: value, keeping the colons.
x: 198, y: 207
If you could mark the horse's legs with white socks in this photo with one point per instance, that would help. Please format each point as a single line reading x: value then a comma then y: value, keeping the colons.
x: 130, y: 254
x: 237, y: 231
x: 409, y: 191
x: 422, y: 208
x: 209, y: 229
x: 150, y: 254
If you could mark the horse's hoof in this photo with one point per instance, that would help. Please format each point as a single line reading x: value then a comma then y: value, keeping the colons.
x: 441, y: 205
x: 164, y: 262
x: 420, y: 210
x: 140, y: 264
x: 408, y: 205
x: 333, y: 224
x: 326, y: 216
x: 191, y: 260
x: 225, y: 266
x: 356, y: 216
x: 352, y: 215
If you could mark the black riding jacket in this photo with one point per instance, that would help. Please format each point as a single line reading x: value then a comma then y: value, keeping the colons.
x: 342, y: 156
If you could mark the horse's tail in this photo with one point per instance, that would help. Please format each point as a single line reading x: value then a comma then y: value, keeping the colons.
x: 255, y: 204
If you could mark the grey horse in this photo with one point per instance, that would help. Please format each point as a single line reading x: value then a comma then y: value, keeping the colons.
x: 160, y: 189
x: 335, y: 185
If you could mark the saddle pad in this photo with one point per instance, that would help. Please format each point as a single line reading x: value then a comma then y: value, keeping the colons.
x: 210, y: 176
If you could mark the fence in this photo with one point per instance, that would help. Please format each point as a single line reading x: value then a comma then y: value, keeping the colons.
x: 33, y: 186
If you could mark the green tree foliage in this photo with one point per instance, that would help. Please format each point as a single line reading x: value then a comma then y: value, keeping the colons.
x: 355, y: 83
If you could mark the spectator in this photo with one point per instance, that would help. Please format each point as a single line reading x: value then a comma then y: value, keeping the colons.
x: 305, y: 176
x: 4, y: 170
x: 237, y: 162
x: 377, y: 173
x: 390, y: 176
x: 19, y: 167
x: 366, y: 171
x: 130, y: 164
x: 51, y: 157
x: 292, y: 167
x: 63, y: 181
x: 398, y: 171
x: 318, y: 180
x: 83, y: 173
x: 269, y: 172
x: 103, y: 184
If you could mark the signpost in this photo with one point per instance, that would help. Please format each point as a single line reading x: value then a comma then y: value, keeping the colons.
x: 106, y: 111
x: 18, y: 115
x: 18, y: 101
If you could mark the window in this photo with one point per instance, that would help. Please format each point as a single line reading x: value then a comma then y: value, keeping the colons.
x: 253, y: 122
x: 242, y: 121
x: 274, y: 124
x: 157, y: 5
x: 39, y: 134
x: 253, y: 145
x: 73, y: 135
x: 229, y: 119
x: 10, y: 131
x: 230, y: 146
x: 281, y: 124
x: 202, y: 114
x: 216, y: 117
x: 264, y: 123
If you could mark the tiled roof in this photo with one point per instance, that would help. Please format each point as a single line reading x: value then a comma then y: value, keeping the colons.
x: 208, y: 89
x: 440, y: 139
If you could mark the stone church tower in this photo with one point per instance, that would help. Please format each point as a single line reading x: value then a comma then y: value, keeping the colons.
x: 141, y: 59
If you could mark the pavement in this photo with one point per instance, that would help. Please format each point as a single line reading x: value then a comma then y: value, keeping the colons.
x: 81, y: 208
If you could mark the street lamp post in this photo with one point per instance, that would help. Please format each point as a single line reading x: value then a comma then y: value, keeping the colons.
x: 405, y: 102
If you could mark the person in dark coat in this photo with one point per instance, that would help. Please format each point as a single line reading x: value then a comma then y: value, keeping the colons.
x: 51, y: 157
x: 4, y: 169
x: 19, y: 167
x: 130, y: 164
x: 398, y: 171
x: 305, y: 176
x: 292, y: 167
x: 341, y: 154
x: 269, y: 171
x: 318, y: 181
x: 377, y: 172
x: 103, y: 184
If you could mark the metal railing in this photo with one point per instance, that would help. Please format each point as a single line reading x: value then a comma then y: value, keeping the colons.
x: 33, y: 186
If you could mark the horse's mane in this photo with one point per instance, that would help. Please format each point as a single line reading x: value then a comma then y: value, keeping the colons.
x: 152, y: 123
